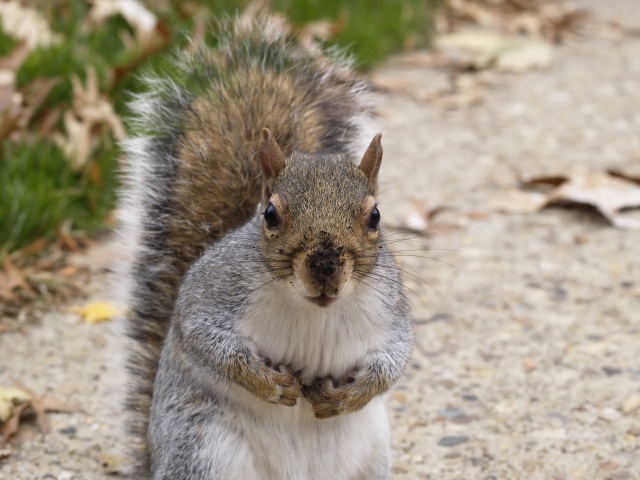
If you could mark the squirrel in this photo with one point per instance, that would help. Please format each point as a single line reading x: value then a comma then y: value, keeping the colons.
x: 266, y: 314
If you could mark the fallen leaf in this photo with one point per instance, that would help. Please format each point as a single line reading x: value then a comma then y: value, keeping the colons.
x: 27, y: 24
x: 10, y: 398
x: 11, y: 426
x: 520, y: 56
x: 95, y: 312
x: 39, y: 404
x: 66, y: 241
x: 544, y: 180
x: 517, y: 201
x: 553, y: 20
x: 420, y: 216
x: 142, y: 20
x: 624, y: 175
x: 609, y: 195
x: 34, y: 247
x: 481, y: 49
x: 10, y: 279
x: 91, y: 114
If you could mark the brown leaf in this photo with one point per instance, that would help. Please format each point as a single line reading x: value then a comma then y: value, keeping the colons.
x: 43, y: 404
x: 620, y: 174
x: 10, y: 427
x: 608, y: 194
x: 66, y: 241
x: 548, y: 180
x: 52, y: 405
x: 11, y: 278
x: 34, y: 247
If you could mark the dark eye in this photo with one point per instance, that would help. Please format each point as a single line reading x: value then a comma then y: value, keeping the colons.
x: 271, y: 216
x: 374, y: 219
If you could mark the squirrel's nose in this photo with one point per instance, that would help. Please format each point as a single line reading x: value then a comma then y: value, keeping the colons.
x: 324, y: 266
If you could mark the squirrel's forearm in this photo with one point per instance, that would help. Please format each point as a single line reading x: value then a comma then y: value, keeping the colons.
x: 387, y: 365
x: 214, y: 349
x: 221, y: 353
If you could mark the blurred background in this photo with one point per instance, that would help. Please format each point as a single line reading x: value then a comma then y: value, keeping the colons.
x: 67, y: 70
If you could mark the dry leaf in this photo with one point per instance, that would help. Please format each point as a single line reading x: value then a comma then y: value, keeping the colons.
x: 26, y: 24
x: 550, y: 19
x: 624, y: 175
x: 10, y: 427
x: 522, y: 55
x: 608, y: 194
x: 95, y: 312
x: 517, y: 201
x: 90, y: 110
x: 66, y: 241
x: 11, y: 278
x: 148, y: 32
x: 10, y: 398
x: 481, y: 49
x: 40, y: 405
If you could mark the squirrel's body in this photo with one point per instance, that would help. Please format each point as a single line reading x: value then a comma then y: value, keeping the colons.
x: 270, y: 361
x: 270, y: 441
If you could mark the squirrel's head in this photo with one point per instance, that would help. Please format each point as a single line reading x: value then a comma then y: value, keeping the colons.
x: 320, y: 227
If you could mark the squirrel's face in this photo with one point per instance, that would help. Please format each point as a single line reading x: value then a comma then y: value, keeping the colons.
x: 320, y: 233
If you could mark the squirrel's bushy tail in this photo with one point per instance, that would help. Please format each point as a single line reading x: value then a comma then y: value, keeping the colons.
x: 192, y: 173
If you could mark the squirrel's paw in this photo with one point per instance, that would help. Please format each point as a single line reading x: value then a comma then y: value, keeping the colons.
x: 328, y: 400
x: 276, y: 384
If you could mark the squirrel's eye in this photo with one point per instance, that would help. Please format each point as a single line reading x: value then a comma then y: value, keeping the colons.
x: 271, y: 216
x: 374, y: 219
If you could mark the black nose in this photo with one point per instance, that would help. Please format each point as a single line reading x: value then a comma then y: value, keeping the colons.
x: 324, y: 265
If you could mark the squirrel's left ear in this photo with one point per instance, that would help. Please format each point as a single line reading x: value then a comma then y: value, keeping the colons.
x: 271, y: 161
x: 271, y: 157
x: 370, y: 163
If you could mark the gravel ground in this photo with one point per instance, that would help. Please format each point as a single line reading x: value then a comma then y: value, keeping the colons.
x: 527, y: 362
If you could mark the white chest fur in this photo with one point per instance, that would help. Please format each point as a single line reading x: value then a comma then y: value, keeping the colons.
x: 319, y: 342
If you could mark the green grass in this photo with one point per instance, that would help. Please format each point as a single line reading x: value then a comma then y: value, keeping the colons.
x: 39, y: 190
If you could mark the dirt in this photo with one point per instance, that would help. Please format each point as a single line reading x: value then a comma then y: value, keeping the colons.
x: 527, y: 359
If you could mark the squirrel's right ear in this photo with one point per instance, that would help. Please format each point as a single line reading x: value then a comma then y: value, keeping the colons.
x: 271, y: 157
x: 371, y: 160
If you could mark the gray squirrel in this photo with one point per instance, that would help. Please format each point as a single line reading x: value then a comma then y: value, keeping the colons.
x: 266, y: 314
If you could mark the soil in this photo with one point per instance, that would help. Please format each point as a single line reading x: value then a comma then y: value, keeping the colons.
x: 527, y: 356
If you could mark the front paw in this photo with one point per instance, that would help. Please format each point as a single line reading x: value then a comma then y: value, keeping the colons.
x: 329, y: 400
x: 276, y: 384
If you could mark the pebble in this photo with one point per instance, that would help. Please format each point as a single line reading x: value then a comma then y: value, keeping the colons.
x: 609, y: 414
x: 450, y: 413
x: 631, y: 404
x: 610, y: 371
x: 452, y: 441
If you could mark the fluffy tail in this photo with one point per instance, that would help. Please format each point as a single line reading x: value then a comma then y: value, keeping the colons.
x: 192, y: 173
